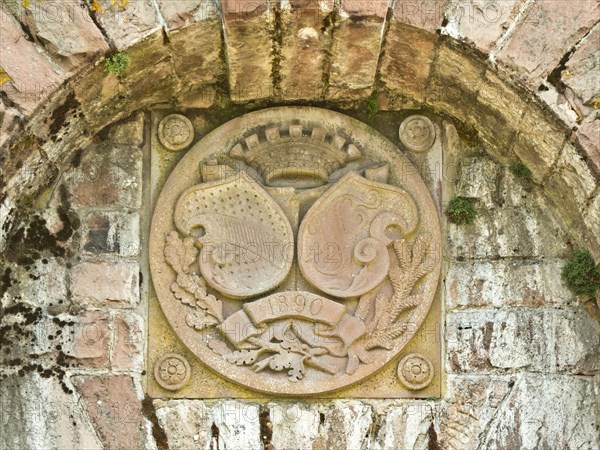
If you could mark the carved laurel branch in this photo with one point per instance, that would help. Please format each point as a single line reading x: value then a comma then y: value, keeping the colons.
x: 384, y: 326
x: 190, y: 288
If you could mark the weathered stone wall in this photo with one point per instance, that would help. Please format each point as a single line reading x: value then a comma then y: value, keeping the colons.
x: 522, y: 80
x: 474, y: 62
x: 522, y: 353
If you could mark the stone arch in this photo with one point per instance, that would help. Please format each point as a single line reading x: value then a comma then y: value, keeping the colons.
x: 484, y: 80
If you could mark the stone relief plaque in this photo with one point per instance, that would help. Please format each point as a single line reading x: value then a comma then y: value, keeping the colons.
x: 293, y: 251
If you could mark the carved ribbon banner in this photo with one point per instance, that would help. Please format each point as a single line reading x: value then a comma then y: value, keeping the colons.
x: 302, y: 306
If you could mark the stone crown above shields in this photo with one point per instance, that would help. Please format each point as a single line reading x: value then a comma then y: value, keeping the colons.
x: 303, y: 160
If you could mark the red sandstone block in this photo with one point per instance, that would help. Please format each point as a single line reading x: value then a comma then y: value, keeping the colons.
x: 425, y: 14
x: 303, y: 49
x: 231, y: 8
x: 90, y: 338
x: 249, y: 48
x: 128, y: 345
x: 98, y: 283
x: 589, y: 138
x: 66, y: 31
x: 114, y: 408
x: 484, y: 22
x: 27, y: 88
x: 407, y: 59
x: 180, y: 13
x: 366, y: 8
x: 547, y: 32
x: 355, y: 52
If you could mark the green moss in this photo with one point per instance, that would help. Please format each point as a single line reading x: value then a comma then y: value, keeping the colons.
x: 372, y: 105
x: 117, y: 63
x: 461, y: 210
x: 521, y: 171
x: 581, y: 274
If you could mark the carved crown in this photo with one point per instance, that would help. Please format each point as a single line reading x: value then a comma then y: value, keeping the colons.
x: 309, y: 156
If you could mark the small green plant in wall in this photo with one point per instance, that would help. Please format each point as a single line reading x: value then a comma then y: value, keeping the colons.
x: 372, y: 105
x: 581, y: 274
x: 117, y: 63
x: 521, y: 171
x: 461, y: 210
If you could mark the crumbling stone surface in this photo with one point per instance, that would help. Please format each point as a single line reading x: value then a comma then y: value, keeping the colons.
x: 180, y: 13
x: 65, y: 31
x: 307, y: 31
x: 247, y: 33
x: 108, y: 175
x: 405, y: 69
x: 126, y: 25
x: 113, y: 232
x: 469, y: 405
x: 588, y: 134
x: 532, y: 52
x: 37, y: 413
x: 227, y: 424
x: 128, y: 342
x: 545, y: 411
x: 483, y: 22
x: 114, y: 407
x: 502, y: 283
x: 581, y: 71
x: 355, y: 49
x: 99, y: 283
x: 25, y: 88
x: 425, y: 14
x: 498, y: 341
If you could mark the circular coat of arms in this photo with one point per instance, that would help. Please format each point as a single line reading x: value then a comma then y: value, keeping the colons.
x: 295, y: 250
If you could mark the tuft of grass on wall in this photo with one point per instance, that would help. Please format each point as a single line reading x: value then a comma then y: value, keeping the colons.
x: 521, y: 171
x: 372, y: 105
x: 581, y: 274
x: 461, y: 211
x: 117, y: 63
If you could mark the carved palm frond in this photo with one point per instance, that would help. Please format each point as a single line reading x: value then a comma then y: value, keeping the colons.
x: 414, y: 262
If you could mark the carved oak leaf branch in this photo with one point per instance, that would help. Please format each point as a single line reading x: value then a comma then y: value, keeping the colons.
x: 189, y: 287
x: 292, y: 355
x: 180, y: 253
x: 244, y: 357
x: 182, y: 295
x: 200, y: 320
x: 219, y: 347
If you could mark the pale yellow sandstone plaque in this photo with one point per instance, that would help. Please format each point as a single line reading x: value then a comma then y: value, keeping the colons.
x: 293, y: 251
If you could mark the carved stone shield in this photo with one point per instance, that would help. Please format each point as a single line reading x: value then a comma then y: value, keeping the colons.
x: 343, y: 239
x: 245, y: 240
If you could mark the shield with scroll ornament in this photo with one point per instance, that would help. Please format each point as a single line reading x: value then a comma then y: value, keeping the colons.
x: 343, y: 239
x: 245, y: 240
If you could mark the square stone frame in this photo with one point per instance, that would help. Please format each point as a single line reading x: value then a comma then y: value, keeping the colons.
x: 205, y: 383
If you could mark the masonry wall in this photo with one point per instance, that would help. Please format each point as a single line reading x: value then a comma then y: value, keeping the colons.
x: 521, y: 352
x: 521, y: 356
